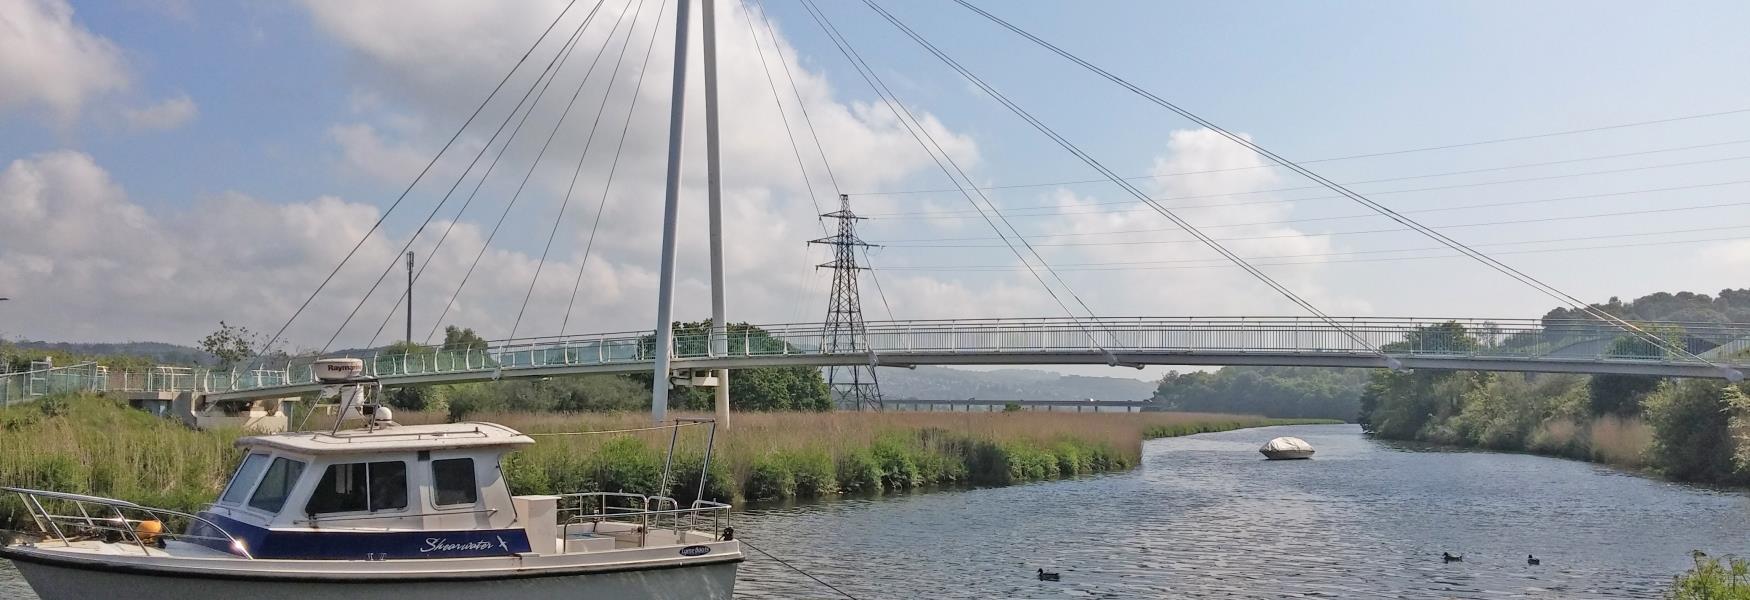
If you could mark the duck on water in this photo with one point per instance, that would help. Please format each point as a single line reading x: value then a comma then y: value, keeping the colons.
x: 414, y: 511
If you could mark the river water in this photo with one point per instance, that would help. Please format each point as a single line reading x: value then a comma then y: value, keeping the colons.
x: 1206, y: 517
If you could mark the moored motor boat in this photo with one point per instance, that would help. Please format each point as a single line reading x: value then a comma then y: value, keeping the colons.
x: 1287, y: 448
x: 408, y: 511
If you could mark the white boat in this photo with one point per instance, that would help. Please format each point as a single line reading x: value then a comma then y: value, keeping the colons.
x: 1286, y: 448
x: 388, y: 511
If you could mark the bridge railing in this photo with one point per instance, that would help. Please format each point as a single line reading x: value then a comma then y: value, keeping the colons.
x: 1412, y: 337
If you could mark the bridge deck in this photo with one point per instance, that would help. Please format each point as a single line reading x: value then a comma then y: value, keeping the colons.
x: 1453, y: 344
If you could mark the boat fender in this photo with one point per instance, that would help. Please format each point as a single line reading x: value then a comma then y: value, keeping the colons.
x: 149, y: 530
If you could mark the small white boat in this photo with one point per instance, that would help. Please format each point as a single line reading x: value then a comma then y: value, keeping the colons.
x: 1287, y: 448
x: 388, y: 511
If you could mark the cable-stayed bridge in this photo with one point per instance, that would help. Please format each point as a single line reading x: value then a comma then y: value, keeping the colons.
x: 1596, y: 342
x: 1576, y: 346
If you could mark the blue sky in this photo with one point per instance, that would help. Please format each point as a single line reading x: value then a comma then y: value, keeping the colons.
x: 213, y: 159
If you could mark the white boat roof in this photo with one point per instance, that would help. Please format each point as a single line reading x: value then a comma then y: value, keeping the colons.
x: 394, y: 438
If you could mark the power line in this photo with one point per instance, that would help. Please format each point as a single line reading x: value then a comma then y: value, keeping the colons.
x: 903, y: 242
x: 1326, y: 262
x: 1650, y: 211
x: 1485, y: 259
x: 1358, y: 252
x: 1454, y: 186
x: 1349, y: 157
x: 392, y: 206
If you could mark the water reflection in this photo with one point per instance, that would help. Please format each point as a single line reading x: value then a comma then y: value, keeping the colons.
x: 1205, y: 517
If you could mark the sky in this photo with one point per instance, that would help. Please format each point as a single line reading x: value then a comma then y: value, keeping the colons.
x: 167, y: 164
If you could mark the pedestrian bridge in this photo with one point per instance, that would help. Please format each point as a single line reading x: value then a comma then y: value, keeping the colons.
x: 1516, y: 345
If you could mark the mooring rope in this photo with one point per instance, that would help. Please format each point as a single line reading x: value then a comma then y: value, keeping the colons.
x: 797, y: 569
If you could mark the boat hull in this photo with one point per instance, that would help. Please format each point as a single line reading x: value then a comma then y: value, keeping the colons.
x: 54, y: 580
x: 1287, y: 454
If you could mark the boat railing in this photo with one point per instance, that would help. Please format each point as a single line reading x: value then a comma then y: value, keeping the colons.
x: 69, y: 518
x: 590, y: 511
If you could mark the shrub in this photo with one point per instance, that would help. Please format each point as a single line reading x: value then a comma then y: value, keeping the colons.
x: 1713, y: 579
x: 813, y: 472
x: 858, y: 472
x: 770, y: 479
x: 684, y: 485
x: 626, y: 465
x: 894, y: 455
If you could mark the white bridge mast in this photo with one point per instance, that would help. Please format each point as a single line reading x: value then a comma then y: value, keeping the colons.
x: 659, y: 383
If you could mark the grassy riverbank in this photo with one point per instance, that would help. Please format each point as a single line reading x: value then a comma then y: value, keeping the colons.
x: 91, y: 444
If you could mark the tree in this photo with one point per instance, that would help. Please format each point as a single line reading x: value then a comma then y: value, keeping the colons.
x: 759, y: 388
x: 231, y: 344
x: 456, y: 338
x: 1692, y: 430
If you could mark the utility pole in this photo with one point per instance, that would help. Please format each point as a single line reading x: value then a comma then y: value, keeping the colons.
x: 714, y: 194
x: 854, y: 387
x: 409, y: 337
x: 677, y: 113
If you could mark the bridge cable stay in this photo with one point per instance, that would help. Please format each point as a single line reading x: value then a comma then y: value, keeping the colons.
x: 945, y: 162
x: 613, y: 168
x: 1497, y: 265
x: 552, y: 71
x: 1473, y: 184
x: 802, y: 107
x: 1352, y: 156
x: 1128, y: 187
x: 523, y: 184
x: 438, y: 323
x: 565, y: 51
x: 589, y: 141
x: 262, y: 351
x: 796, y: 151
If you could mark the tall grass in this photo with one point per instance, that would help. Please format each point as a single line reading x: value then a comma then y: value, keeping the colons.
x: 97, y: 446
x: 90, y: 444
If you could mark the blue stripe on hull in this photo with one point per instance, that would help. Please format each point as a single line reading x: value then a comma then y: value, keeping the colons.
x: 334, y: 544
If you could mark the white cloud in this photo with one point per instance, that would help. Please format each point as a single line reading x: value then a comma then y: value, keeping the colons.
x: 364, y: 151
x: 49, y: 61
x: 170, y: 114
x: 87, y: 263
x: 1185, y: 276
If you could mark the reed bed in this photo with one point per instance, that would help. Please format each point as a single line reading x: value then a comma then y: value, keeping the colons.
x: 91, y: 444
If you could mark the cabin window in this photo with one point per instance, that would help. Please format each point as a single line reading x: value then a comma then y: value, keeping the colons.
x: 276, y: 485
x: 453, y: 481
x: 360, y: 487
x: 245, y: 479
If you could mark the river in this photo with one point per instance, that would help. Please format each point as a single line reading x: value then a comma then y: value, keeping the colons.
x: 1206, y: 517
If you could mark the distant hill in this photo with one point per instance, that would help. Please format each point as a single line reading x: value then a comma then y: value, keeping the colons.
x: 942, y: 383
x: 157, y: 352
x: 1730, y: 306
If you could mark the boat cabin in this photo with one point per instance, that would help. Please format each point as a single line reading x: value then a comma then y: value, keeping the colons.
x: 422, y: 491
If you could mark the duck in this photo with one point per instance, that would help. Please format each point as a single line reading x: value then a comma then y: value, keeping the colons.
x: 1449, y: 557
x: 1532, y: 560
x: 1043, y: 576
